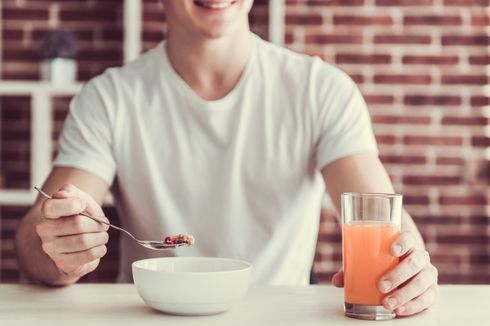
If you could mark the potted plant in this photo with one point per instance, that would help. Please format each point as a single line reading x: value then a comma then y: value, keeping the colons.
x: 59, y: 49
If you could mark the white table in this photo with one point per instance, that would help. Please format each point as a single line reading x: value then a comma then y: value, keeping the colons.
x: 119, y: 304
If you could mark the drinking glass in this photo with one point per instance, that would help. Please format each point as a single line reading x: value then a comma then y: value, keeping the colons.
x: 370, y: 223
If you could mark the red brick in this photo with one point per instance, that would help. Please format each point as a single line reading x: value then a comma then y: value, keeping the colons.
x: 463, y: 200
x: 326, y: 237
x: 479, y: 59
x: 465, y: 121
x: 20, y: 75
x: 479, y: 220
x: 403, y: 159
x: 441, y: 20
x: 9, y: 34
x: 416, y: 200
x: 24, y: 14
x: 153, y: 16
x: 482, y: 258
x: 466, y: 3
x: 445, y: 258
x: 398, y: 119
x: 461, y: 239
x: 304, y: 19
x: 399, y: 3
x: 437, y: 220
x: 480, y: 141
x: 449, y: 161
x: 329, y: 3
x: 480, y: 20
x: 333, y: 38
x: 153, y: 36
x: 468, y: 40
x: 402, y: 39
x: 433, y: 140
x: 112, y: 34
x: 401, y: 79
x: 348, y: 58
x: 359, y: 20
x: 379, y: 99
x: 465, y: 79
x: 386, y: 139
x: 81, y: 35
x: 15, y: 155
x: 97, y: 14
x: 430, y: 60
x: 99, y: 55
x: 357, y: 78
x: 479, y: 100
x: 431, y: 180
x: 257, y: 20
x: 26, y: 55
x: 432, y: 100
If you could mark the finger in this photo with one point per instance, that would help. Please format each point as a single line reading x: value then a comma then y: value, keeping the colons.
x: 80, y: 242
x: 420, y: 303
x: 56, y: 208
x: 338, y: 279
x: 69, y: 190
x: 403, y: 244
x: 71, y: 263
x: 414, y: 288
x: 69, y: 225
x: 407, y: 268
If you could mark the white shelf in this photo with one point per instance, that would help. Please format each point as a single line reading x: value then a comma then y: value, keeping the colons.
x: 17, y: 197
x: 27, y: 198
x: 31, y: 87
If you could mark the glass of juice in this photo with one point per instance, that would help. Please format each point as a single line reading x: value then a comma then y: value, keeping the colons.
x: 370, y: 223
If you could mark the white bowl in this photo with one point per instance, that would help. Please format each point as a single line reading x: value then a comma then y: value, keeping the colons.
x: 191, y: 285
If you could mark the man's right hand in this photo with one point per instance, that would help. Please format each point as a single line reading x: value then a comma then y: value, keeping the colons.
x: 75, y: 243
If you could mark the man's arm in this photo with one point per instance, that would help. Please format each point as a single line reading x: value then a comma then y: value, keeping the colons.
x: 364, y: 173
x: 54, y: 244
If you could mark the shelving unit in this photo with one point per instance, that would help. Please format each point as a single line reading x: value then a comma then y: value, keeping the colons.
x: 41, y: 94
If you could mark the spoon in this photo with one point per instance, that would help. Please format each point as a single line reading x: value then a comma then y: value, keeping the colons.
x: 155, y: 245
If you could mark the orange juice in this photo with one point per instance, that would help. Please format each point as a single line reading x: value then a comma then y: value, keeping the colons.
x: 367, y: 256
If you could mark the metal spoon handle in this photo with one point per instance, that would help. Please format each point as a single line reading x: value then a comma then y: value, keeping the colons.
x: 90, y: 216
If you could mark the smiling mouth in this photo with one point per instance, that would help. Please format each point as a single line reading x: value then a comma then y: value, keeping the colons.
x: 214, y: 5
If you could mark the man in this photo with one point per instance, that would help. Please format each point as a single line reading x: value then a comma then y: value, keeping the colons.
x: 221, y: 135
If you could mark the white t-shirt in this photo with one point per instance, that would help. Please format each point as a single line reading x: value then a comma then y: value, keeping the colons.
x: 241, y: 174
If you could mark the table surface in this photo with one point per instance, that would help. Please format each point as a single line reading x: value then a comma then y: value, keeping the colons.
x: 119, y: 304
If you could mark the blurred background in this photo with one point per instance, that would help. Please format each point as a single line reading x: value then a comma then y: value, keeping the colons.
x: 422, y: 65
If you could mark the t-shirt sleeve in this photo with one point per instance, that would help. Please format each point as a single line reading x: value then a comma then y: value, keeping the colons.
x: 86, y: 139
x: 344, y: 124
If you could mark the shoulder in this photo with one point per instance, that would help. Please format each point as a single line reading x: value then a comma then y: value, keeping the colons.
x: 133, y: 73
x: 118, y: 85
x: 273, y: 58
x: 310, y: 71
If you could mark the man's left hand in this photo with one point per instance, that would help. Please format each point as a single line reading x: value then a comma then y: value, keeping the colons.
x: 411, y: 286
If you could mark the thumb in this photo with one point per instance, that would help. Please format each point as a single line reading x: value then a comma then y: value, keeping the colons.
x: 338, y: 279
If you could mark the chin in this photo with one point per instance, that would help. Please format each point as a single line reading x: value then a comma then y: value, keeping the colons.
x: 214, y: 32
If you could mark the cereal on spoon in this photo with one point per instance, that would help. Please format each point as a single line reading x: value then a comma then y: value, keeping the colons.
x: 179, y: 239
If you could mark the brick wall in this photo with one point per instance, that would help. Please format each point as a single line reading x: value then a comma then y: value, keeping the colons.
x: 96, y: 24
x: 421, y: 65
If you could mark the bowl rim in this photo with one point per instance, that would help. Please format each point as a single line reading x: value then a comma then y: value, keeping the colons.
x: 248, y: 265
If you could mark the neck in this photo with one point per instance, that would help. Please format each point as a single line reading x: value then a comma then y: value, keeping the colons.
x: 211, y: 67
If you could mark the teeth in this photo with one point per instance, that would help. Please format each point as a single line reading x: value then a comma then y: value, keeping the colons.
x: 214, y: 5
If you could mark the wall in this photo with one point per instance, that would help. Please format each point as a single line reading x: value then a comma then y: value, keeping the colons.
x: 421, y: 65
